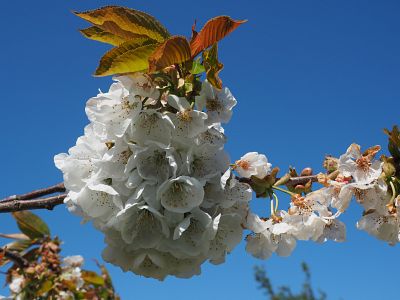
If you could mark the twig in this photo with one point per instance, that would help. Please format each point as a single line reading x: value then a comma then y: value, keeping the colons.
x: 293, y: 181
x: 18, y: 205
x: 301, y: 180
x: 58, y: 188
x: 15, y: 257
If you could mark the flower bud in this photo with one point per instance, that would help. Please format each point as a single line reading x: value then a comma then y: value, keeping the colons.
x: 306, y: 172
x: 330, y: 163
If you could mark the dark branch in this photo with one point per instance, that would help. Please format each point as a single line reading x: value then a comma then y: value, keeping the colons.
x: 41, y: 203
x: 15, y: 257
x: 58, y: 188
x: 293, y: 181
x: 301, y: 180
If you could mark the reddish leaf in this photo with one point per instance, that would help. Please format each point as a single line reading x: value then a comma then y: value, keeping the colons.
x: 213, y: 31
x: 174, y: 50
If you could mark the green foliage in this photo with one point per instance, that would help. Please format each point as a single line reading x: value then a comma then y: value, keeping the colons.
x: 31, y: 225
x: 285, y: 292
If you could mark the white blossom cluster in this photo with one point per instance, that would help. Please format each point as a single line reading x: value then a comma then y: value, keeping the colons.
x: 315, y: 215
x: 150, y: 172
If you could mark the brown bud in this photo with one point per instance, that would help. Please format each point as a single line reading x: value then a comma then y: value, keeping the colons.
x: 283, y: 180
x: 299, y: 189
x: 306, y: 172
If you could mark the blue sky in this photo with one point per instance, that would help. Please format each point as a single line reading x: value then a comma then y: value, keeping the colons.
x: 310, y: 77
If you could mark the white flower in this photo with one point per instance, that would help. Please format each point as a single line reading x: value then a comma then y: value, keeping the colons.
x: 115, y: 109
x: 234, y: 190
x: 96, y: 200
x: 139, y: 85
x: 16, y: 284
x: 374, y: 196
x: 268, y: 237
x: 66, y: 295
x: 151, y: 126
x: 73, y: 261
x: 204, y: 162
x: 192, y: 235
x: 218, y: 104
x: 214, y: 136
x: 74, y: 275
x: 384, y: 227
x: 81, y: 161
x: 360, y: 167
x: 155, y: 163
x: 228, y: 235
x: 253, y: 164
x: 188, y: 122
x: 334, y: 230
x: 181, y: 194
x: 141, y: 226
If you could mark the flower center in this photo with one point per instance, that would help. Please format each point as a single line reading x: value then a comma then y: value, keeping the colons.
x: 213, y: 104
x: 244, y: 164
x: 363, y: 163
x: 185, y: 115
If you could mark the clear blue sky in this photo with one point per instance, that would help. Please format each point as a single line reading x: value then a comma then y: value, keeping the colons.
x: 310, y: 78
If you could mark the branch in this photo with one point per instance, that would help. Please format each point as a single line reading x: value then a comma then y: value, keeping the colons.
x: 293, y: 181
x: 58, y: 188
x: 15, y: 257
x: 18, y: 205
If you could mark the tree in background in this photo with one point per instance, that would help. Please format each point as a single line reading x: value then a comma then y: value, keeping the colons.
x: 285, y: 292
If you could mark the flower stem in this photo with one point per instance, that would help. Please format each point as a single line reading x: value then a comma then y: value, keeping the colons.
x: 284, y: 191
x: 276, y: 202
x: 393, y: 193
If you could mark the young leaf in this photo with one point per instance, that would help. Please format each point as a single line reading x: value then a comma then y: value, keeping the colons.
x: 19, y: 245
x: 98, y: 34
x: 92, y: 278
x: 122, y: 21
x: 44, y: 288
x: 197, y: 67
x: 174, y: 50
x: 213, y: 66
x: 31, y: 225
x: 129, y: 57
x: 14, y: 236
x: 213, y: 31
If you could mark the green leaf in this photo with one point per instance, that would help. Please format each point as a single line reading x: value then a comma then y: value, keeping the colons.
x: 213, y: 66
x: 129, y: 57
x: 19, y: 246
x: 44, y: 288
x: 174, y: 50
x: 100, y: 35
x: 125, y: 23
x: 197, y: 67
x: 31, y: 225
x: 91, y: 277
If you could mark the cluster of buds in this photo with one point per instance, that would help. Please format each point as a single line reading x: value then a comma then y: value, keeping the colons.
x: 39, y: 272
